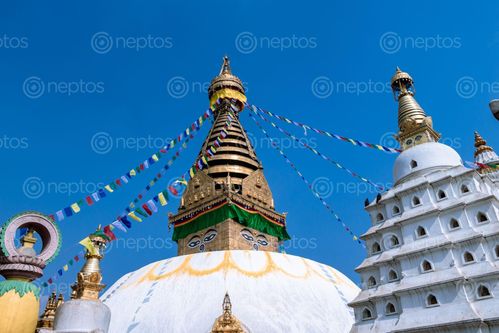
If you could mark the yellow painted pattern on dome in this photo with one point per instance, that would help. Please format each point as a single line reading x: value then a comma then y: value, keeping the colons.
x: 228, y: 262
x: 18, y: 314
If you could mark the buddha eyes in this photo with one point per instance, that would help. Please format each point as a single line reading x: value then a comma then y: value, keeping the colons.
x: 257, y: 241
x: 248, y: 237
x: 196, y: 241
x: 262, y: 240
x: 209, y: 236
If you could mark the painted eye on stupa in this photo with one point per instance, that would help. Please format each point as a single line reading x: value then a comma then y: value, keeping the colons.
x: 194, y: 242
x: 210, y: 235
x: 262, y: 240
x: 247, y: 235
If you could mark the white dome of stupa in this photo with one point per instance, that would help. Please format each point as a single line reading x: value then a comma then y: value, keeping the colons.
x: 270, y: 292
x: 424, y: 158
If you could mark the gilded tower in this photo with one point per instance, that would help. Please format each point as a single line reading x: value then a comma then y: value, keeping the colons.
x: 85, y: 312
x: 228, y: 204
x: 485, y: 155
x: 415, y: 127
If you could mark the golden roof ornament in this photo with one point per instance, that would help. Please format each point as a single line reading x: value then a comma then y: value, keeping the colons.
x: 28, y: 242
x: 89, y: 279
x: 227, y: 322
x: 415, y: 127
x: 226, y: 85
x: 481, y: 144
x: 233, y: 175
x: 47, y: 318
x: 486, y: 155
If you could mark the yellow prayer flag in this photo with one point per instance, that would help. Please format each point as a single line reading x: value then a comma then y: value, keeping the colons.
x: 135, y: 217
x: 65, y: 268
x: 107, y: 187
x: 75, y: 208
x: 87, y: 243
x: 155, y: 158
x: 132, y: 172
x: 162, y: 199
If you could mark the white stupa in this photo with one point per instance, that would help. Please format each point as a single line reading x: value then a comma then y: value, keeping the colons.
x: 228, y: 232
x: 270, y: 292
x: 433, y: 245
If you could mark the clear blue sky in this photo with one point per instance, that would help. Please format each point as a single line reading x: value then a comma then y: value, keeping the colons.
x: 349, y: 49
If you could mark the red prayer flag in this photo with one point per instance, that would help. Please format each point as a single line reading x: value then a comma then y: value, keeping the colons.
x: 89, y: 201
x: 173, y: 190
x: 146, y: 208
x: 109, y: 233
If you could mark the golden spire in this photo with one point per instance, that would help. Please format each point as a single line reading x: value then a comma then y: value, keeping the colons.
x: 28, y: 242
x: 229, y: 172
x: 226, y: 85
x: 89, y: 280
x: 227, y: 322
x: 485, y: 155
x: 47, y: 318
x: 415, y: 127
x: 481, y: 145
x: 225, y: 69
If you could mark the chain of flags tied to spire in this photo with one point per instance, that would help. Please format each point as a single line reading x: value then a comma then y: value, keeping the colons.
x: 137, y: 214
x: 315, y: 151
x: 328, y: 134
x: 102, y: 193
x: 309, y: 185
x: 261, y: 114
x: 355, y: 142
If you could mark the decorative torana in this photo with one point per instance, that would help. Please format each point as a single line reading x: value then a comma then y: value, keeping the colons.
x: 231, y: 193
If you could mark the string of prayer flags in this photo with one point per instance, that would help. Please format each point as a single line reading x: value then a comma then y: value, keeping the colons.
x: 101, y: 193
x: 107, y: 231
x: 316, y: 152
x: 328, y: 134
x: 161, y: 173
x: 209, y: 152
x: 309, y: 185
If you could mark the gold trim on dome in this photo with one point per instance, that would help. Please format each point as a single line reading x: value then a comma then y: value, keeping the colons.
x: 229, y: 263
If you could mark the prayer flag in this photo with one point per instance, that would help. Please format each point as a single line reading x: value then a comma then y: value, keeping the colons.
x: 75, y: 208
x: 87, y: 243
x: 162, y: 200
x: 135, y: 217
